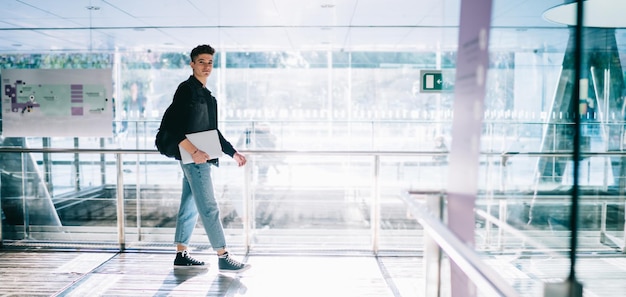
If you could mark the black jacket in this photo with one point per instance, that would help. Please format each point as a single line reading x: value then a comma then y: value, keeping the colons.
x: 194, y: 109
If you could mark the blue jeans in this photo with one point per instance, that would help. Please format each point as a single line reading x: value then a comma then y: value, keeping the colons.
x: 198, y: 198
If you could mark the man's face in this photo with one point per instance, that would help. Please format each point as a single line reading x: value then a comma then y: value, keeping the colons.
x: 202, y: 66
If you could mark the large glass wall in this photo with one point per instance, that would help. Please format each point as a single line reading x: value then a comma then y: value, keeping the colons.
x: 343, y: 102
x: 360, y: 121
x: 336, y: 140
x: 329, y: 106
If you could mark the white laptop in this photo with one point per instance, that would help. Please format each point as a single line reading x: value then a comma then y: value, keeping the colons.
x: 207, y: 141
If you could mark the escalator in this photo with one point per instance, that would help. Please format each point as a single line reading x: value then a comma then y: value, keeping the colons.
x: 25, y: 200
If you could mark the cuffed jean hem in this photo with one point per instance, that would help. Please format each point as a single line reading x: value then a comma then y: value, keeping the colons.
x: 213, y: 248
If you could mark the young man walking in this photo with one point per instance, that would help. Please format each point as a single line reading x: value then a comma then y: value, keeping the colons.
x: 194, y: 109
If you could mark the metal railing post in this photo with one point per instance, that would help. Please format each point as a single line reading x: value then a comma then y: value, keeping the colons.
x: 432, y: 251
x: 623, y: 247
x: 103, y: 164
x: 77, y: 173
x: 25, y: 214
x: 603, y: 214
x: 1, y: 217
x: 138, y: 197
x: 248, y: 215
x: 376, y: 205
x: 502, y: 215
x: 121, y: 237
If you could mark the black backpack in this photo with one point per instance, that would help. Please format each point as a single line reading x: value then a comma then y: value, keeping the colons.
x: 164, y: 142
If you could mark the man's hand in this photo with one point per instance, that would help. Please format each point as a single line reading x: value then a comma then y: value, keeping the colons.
x: 200, y: 157
x: 240, y: 159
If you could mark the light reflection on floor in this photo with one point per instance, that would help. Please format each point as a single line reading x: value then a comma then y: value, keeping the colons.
x: 151, y: 274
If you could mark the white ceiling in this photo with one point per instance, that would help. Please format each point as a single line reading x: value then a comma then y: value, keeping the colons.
x: 248, y: 25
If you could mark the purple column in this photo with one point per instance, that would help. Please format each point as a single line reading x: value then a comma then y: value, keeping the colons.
x: 469, y: 94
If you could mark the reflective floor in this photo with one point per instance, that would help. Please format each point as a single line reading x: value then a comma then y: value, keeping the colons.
x: 151, y: 274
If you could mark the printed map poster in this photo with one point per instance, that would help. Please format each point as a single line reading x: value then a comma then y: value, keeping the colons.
x: 57, y: 103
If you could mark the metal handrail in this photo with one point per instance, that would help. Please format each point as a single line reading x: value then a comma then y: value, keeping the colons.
x: 463, y: 256
x: 13, y: 149
x: 557, y: 154
x: 517, y: 233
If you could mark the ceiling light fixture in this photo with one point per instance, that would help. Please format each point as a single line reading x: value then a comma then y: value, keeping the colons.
x: 327, y: 5
x: 597, y: 13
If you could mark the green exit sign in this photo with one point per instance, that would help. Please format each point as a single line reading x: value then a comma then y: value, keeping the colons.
x: 432, y: 81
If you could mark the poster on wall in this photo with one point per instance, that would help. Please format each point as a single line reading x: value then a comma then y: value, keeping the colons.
x: 57, y: 103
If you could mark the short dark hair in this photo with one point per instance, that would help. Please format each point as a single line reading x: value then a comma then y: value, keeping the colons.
x: 201, y: 49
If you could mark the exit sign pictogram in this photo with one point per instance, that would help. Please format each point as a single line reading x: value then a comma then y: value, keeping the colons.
x: 432, y: 81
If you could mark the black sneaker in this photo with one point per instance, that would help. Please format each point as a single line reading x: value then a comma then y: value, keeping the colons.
x: 228, y: 264
x: 184, y: 261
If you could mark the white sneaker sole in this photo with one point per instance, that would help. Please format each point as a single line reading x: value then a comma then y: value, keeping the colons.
x: 195, y: 267
x: 236, y: 271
